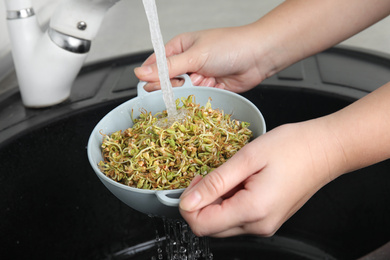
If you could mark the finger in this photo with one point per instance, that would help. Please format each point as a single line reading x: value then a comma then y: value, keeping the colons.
x: 261, y: 207
x: 173, y: 47
x: 263, y: 227
x: 200, y: 80
x: 251, y: 209
x: 233, y: 191
x: 221, y: 216
x: 220, y: 86
x: 152, y: 86
x: 220, y: 181
x: 177, y: 65
x: 150, y: 60
x: 196, y: 79
x: 235, y: 231
x: 208, y: 82
x: 147, y: 73
x: 249, y: 228
x: 194, y: 181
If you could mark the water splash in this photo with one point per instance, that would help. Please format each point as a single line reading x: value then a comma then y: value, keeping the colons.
x: 179, y: 242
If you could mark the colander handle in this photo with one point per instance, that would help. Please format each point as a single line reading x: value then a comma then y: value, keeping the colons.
x: 142, y: 92
x: 169, y: 197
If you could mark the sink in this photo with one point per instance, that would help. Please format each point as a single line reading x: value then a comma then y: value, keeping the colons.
x: 54, y: 207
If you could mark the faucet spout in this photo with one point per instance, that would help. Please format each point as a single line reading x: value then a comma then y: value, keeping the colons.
x: 47, y: 62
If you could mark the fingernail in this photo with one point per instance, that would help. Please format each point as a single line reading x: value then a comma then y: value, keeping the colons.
x: 209, y: 82
x: 189, y: 202
x: 196, y: 79
x: 220, y: 85
x: 144, y: 70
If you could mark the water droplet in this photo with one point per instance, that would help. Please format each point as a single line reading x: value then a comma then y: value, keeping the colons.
x: 180, y: 243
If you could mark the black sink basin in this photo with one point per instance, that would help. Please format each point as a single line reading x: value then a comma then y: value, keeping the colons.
x: 54, y: 207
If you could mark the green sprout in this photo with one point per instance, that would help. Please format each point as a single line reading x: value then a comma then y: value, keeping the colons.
x: 161, y: 154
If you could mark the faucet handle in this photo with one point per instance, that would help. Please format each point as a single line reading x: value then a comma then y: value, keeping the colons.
x: 80, y: 18
x: 68, y: 42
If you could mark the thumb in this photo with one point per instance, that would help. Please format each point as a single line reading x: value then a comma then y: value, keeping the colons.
x: 177, y: 65
x: 220, y: 181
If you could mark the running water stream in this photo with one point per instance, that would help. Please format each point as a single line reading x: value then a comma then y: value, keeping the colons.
x: 161, y: 60
x: 176, y: 241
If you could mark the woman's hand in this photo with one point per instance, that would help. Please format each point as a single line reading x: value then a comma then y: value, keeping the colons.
x: 270, y: 178
x: 221, y: 58
x: 239, y: 58
x: 263, y: 184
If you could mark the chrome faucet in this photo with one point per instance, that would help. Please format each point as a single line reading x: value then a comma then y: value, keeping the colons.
x: 47, y: 62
